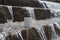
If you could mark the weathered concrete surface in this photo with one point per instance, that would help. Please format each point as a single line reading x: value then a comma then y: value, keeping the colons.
x: 19, y: 14
x: 30, y: 3
x: 30, y: 34
x: 4, y: 14
x: 41, y: 14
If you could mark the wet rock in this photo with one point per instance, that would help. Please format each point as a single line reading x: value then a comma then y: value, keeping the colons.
x: 48, y: 32
x: 30, y: 34
x: 1, y: 2
x: 57, y: 29
x: 30, y: 3
x: 4, y: 14
x: 58, y: 1
x: 13, y: 37
x: 24, y: 34
x: 33, y: 34
x: 2, y: 18
x: 19, y: 14
x: 35, y: 3
x: 41, y: 14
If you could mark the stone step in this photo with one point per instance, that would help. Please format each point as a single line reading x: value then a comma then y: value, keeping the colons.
x: 29, y: 3
x: 20, y: 13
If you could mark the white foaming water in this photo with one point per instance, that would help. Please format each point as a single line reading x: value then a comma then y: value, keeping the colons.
x: 2, y: 37
x: 28, y: 22
x: 16, y: 26
x: 10, y: 10
x: 31, y: 11
x: 41, y: 32
x: 12, y: 27
x: 39, y: 26
x: 42, y: 3
x: 54, y: 7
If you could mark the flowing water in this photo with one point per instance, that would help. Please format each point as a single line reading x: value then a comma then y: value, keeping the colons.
x: 11, y: 11
x: 16, y: 27
x: 41, y: 31
x: 54, y: 35
x: 30, y: 10
x: 54, y: 7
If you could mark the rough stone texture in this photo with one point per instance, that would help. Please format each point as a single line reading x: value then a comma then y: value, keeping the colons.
x: 30, y: 3
x: 54, y: 0
x: 48, y: 32
x: 19, y: 14
x: 13, y: 37
x: 33, y: 34
x: 1, y: 2
x: 41, y: 14
x: 57, y: 29
x: 24, y: 34
x: 4, y: 14
x: 30, y: 34
x: 57, y: 1
x: 33, y: 3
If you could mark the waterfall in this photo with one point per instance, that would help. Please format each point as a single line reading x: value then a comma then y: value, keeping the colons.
x: 20, y: 35
x: 17, y: 28
x: 54, y: 35
x: 42, y: 3
x: 30, y: 11
x: 10, y: 10
x: 41, y: 31
x: 52, y: 6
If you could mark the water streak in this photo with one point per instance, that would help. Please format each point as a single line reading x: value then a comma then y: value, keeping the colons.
x: 54, y: 35
x: 31, y: 12
x: 10, y: 10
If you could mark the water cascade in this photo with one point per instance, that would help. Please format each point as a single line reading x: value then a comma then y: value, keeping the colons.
x: 41, y: 31
x: 11, y: 11
x: 13, y: 30
x: 54, y: 7
x: 42, y: 3
x: 30, y: 11
x: 57, y: 28
x: 54, y: 35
